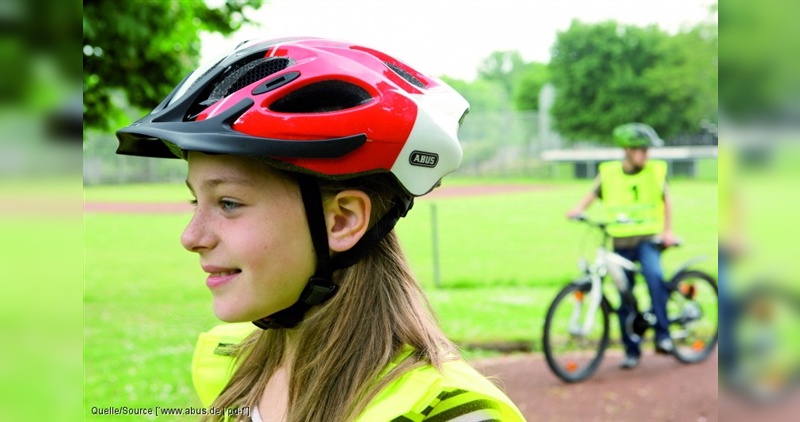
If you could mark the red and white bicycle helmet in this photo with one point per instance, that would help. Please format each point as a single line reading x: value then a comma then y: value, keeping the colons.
x: 329, y: 108
x: 321, y: 109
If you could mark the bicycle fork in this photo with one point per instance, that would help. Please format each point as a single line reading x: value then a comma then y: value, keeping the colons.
x: 605, y: 263
x: 582, y: 328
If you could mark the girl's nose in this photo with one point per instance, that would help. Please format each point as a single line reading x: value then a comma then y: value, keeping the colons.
x: 197, y: 235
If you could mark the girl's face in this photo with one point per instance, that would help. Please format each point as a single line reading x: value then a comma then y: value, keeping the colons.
x: 250, y: 230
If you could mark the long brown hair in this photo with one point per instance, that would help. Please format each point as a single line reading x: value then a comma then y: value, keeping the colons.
x: 343, y: 346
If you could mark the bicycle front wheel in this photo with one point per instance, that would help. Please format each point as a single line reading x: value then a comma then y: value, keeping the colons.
x: 575, y: 333
x: 692, y: 312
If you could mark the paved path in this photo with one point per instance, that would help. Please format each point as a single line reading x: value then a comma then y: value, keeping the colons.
x: 659, y: 389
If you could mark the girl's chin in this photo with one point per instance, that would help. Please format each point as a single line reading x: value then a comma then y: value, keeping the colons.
x: 232, y: 314
x: 225, y: 314
x: 233, y: 309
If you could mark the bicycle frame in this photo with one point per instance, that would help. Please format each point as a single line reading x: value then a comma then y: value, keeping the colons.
x: 606, y: 263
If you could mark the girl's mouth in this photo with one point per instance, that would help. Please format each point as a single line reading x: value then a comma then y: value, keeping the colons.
x: 217, y: 279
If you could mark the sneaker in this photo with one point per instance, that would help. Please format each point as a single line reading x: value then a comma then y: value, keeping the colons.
x: 629, y: 362
x: 665, y: 346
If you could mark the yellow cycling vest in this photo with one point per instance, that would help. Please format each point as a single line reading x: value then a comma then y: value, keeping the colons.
x: 639, y: 197
x: 406, y: 397
x: 212, y: 366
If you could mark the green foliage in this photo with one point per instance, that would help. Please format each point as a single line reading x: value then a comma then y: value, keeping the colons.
x: 759, y: 59
x: 687, y: 79
x: 482, y: 95
x: 137, y: 51
x: 596, y: 71
x: 531, y: 81
x: 503, y: 67
x: 606, y: 74
x: 37, y: 52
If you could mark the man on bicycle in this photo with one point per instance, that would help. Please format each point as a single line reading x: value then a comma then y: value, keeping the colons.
x: 635, y: 190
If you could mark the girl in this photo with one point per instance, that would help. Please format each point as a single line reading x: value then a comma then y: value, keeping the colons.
x: 303, y: 153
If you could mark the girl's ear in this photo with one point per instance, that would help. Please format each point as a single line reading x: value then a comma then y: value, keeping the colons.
x: 347, y: 217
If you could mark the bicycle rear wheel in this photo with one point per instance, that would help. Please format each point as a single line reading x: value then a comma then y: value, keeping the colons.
x: 692, y: 313
x: 572, y: 354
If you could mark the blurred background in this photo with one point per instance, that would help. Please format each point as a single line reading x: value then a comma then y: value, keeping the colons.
x: 41, y: 251
x: 547, y: 81
x: 759, y: 96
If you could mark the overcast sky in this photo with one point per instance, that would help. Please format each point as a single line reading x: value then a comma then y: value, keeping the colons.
x: 452, y: 37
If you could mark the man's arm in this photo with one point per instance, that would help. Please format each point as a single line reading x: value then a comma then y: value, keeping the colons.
x: 667, y: 236
x: 585, y: 201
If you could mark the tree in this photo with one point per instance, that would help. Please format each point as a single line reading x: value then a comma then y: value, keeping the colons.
x: 759, y: 65
x: 137, y: 51
x: 530, y: 83
x: 606, y: 74
x: 686, y: 80
x: 483, y: 96
x: 503, y: 68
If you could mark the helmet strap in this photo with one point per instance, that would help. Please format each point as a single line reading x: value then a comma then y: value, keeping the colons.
x: 320, y: 286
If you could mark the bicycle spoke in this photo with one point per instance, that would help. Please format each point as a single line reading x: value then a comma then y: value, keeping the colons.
x: 692, y: 312
x: 575, y: 336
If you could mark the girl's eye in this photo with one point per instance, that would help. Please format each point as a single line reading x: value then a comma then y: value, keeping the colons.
x: 227, y: 205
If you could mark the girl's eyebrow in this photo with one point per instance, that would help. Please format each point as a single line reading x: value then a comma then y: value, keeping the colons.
x: 214, y: 182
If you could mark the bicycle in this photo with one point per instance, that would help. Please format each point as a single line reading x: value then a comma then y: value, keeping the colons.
x: 576, y: 329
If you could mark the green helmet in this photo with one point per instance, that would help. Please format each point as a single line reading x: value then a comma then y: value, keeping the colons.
x: 636, y: 135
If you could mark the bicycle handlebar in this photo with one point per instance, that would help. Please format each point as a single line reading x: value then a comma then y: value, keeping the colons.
x: 594, y: 223
x: 603, y: 226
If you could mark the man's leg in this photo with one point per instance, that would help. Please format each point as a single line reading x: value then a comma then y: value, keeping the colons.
x: 627, y: 310
x: 650, y: 260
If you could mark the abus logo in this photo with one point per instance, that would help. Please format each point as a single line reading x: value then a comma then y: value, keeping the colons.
x: 423, y: 159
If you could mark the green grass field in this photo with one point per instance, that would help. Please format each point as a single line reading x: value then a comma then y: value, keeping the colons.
x: 502, y: 259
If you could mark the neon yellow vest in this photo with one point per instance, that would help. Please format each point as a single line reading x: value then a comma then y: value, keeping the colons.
x: 212, y: 367
x: 408, y: 395
x: 639, y: 197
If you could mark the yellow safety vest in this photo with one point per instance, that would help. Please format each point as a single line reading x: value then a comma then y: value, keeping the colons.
x: 639, y: 197
x: 407, y: 396
x: 212, y: 365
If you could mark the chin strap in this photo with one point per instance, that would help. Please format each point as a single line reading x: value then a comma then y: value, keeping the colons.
x: 320, y: 286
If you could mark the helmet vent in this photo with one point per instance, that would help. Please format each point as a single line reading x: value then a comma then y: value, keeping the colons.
x: 207, y: 71
x: 405, y: 75
x: 245, y: 75
x: 321, y: 97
